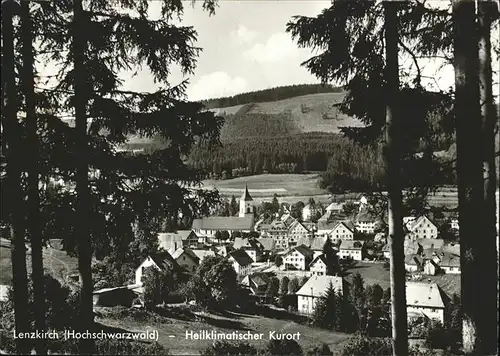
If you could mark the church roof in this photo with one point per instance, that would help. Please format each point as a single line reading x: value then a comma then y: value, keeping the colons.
x: 246, y: 195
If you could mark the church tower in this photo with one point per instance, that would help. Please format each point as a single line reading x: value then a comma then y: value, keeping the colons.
x: 246, y: 205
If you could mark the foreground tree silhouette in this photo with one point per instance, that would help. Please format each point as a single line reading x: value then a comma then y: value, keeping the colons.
x: 34, y: 226
x: 13, y: 190
x: 479, y: 323
x: 394, y: 183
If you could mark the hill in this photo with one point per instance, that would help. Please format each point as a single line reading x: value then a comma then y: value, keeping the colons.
x: 301, y: 114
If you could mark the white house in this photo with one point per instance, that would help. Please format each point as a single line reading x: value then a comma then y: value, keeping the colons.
x: 408, y: 221
x: 318, y: 266
x: 170, y: 241
x: 343, y: 230
x: 315, y: 288
x: 298, y: 257
x: 335, y: 207
x: 296, y: 231
x: 209, y: 226
x: 454, y: 224
x: 422, y: 228
x: 160, y: 261
x: 424, y: 299
x: 351, y: 249
x: 449, y: 263
x: 308, y: 212
x: 366, y: 223
x: 278, y: 231
x: 242, y: 263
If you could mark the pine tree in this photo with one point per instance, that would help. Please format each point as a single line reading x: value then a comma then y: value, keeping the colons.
x: 12, y: 136
x: 34, y: 226
x: 332, y: 260
x: 233, y: 206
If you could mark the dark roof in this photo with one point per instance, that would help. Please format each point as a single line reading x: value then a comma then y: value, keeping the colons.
x: 224, y: 223
x: 184, y: 234
x: 306, y: 251
x: 413, y: 260
x: 351, y: 245
x: 260, y: 279
x: 177, y: 253
x: 246, y: 195
x: 314, y: 243
x: 164, y: 260
x: 241, y: 257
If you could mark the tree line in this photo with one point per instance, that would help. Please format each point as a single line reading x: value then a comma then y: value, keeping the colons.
x: 272, y: 94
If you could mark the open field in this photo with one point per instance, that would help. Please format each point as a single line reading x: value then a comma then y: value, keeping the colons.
x: 172, y: 332
x: 309, y: 113
x: 266, y: 185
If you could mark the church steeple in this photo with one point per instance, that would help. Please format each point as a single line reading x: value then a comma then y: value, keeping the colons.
x: 246, y: 207
x: 246, y: 195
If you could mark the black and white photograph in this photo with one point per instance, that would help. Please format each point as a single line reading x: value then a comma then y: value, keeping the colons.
x: 250, y: 177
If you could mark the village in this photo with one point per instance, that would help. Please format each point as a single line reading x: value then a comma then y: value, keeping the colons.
x: 280, y: 245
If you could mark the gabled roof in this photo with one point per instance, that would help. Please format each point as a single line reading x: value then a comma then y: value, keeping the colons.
x: 184, y: 234
x: 365, y: 217
x: 223, y: 223
x: 351, y: 245
x: 334, y: 206
x: 430, y: 243
x: 267, y: 242
x: 345, y: 223
x: 246, y: 195
x: 241, y: 257
x: 225, y: 249
x: 295, y: 224
x: 420, y: 220
x: 178, y: 253
x: 303, y: 250
x: 202, y: 253
x: 245, y: 243
x: 164, y: 260
x: 260, y: 279
x: 413, y: 260
x: 321, y: 258
x: 289, y: 221
x: 314, y: 243
x: 449, y: 260
x: 423, y: 295
x: 316, y: 286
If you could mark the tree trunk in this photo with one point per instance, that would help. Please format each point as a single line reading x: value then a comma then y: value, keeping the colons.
x: 488, y: 11
x: 395, y: 214
x: 34, y: 228
x: 12, y: 136
x: 83, y: 209
x: 469, y: 174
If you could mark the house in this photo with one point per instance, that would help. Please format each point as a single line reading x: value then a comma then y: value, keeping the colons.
x: 414, y: 263
x: 289, y: 220
x: 424, y: 299
x: 335, y: 207
x: 318, y: 266
x: 298, y: 258
x: 351, y: 249
x: 430, y: 268
x: 408, y: 221
x: 422, y: 228
x: 325, y: 218
x: 325, y: 227
x: 201, y: 253
x: 224, y: 250
x: 251, y: 246
x: 185, y: 258
x: 448, y: 262
x: 242, y: 263
x: 315, y: 244
x: 170, y: 241
x: 189, y: 238
x: 209, y: 226
x: 454, y: 224
x: 296, y: 231
x: 366, y: 223
x: 161, y: 261
x: 343, y: 230
x: 257, y: 283
x: 309, y: 211
x: 315, y: 288
x: 386, y: 250
x: 278, y: 231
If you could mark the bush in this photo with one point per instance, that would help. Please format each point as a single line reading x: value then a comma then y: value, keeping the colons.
x: 283, y: 347
x: 363, y: 346
x: 224, y: 348
x: 322, y: 350
x: 436, y: 336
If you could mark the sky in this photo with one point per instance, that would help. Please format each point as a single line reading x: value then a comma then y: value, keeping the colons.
x: 245, y: 48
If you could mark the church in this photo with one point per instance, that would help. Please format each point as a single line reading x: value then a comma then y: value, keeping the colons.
x: 244, y: 222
